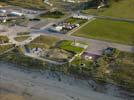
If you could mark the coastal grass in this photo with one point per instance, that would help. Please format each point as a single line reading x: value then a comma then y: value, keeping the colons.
x: 122, y: 72
x: 3, y: 48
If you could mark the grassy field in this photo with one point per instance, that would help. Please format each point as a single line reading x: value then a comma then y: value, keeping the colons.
x: 108, y: 30
x: 120, y: 9
x: 43, y: 42
x: 21, y: 38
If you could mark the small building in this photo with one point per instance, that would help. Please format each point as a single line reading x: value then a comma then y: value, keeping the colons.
x: 2, y: 11
x: 16, y: 13
x: 90, y: 56
x: 37, y: 51
x: 56, y: 28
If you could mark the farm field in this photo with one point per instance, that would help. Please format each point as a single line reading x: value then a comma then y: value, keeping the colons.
x: 108, y: 30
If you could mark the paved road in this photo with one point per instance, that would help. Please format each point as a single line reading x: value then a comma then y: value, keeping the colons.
x: 95, y: 46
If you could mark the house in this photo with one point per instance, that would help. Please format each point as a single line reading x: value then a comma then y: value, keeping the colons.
x: 16, y: 13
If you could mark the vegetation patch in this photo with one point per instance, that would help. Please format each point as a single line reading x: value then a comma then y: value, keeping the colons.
x: 31, y: 4
x: 43, y: 42
x: 21, y: 38
x: 18, y: 21
x: 23, y: 33
x: 108, y: 30
x: 17, y: 57
x: 58, y: 55
x: 72, y: 20
x: 53, y: 14
x: 3, y: 48
x: 123, y: 70
x: 4, y: 39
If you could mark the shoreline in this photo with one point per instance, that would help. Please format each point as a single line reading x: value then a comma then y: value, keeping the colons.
x: 68, y: 88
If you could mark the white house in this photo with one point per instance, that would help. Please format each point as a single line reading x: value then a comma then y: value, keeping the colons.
x: 16, y: 13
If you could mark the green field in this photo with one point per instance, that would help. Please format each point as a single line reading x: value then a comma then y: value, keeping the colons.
x: 67, y: 45
x: 120, y: 9
x: 108, y: 30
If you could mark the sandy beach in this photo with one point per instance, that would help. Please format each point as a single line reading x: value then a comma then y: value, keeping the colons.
x: 20, y: 84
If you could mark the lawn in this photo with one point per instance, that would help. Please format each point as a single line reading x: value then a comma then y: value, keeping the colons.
x: 108, y: 30
x: 43, y: 42
x: 21, y: 38
x: 67, y: 45
x: 120, y: 9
